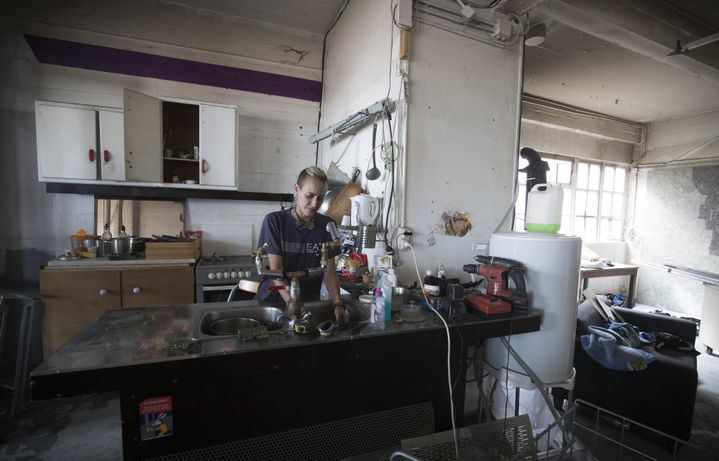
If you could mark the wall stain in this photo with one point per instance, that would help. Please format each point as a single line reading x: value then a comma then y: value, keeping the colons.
x: 706, y: 183
x: 455, y: 223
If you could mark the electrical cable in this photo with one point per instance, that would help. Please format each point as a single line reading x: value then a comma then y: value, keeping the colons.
x: 391, y: 48
x: 506, y: 386
x: 391, y: 193
x: 449, y: 347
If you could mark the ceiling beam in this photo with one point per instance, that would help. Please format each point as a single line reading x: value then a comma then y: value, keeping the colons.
x: 540, y: 111
x: 646, y: 27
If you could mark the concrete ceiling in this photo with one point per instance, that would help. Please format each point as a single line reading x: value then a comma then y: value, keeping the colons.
x: 607, y: 56
x: 610, y: 56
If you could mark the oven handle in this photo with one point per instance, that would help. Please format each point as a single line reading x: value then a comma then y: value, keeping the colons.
x: 218, y: 287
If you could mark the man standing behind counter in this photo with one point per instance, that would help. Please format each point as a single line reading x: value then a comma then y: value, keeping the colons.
x: 295, y: 237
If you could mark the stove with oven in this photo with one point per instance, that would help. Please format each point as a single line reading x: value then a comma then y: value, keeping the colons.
x: 215, y: 277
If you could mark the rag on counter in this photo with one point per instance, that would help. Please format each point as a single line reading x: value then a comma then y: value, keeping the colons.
x: 614, y: 351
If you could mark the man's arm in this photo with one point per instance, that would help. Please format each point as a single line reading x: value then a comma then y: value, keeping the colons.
x: 275, y: 262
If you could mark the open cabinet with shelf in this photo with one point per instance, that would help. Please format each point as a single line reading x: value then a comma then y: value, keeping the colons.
x: 181, y: 141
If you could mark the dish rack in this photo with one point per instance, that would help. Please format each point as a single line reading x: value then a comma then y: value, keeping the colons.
x: 585, y: 432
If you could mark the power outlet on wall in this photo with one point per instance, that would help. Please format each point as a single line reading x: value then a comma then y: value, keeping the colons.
x: 404, y: 237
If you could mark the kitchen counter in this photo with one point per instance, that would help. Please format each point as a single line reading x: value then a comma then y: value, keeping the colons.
x: 106, y: 261
x: 127, y: 337
x: 222, y: 391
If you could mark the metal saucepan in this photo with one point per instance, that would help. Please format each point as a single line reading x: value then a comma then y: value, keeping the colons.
x: 124, y: 246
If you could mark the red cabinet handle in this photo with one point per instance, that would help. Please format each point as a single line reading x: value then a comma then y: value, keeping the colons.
x: 106, y: 155
x: 205, y: 166
x: 91, y: 155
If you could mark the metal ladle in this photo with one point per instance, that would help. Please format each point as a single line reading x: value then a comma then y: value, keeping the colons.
x: 373, y: 173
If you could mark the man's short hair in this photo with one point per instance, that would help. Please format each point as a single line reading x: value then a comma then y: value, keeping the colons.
x: 311, y: 172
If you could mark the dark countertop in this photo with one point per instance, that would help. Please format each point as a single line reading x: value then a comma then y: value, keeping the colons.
x: 140, y: 336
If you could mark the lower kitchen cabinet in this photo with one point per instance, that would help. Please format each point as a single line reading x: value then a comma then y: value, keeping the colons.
x: 72, y: 298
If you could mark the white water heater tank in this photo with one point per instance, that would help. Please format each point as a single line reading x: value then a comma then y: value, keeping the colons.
x: 552, y: 277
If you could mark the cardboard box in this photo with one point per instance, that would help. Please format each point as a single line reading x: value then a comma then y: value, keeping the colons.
x: 185, y: 249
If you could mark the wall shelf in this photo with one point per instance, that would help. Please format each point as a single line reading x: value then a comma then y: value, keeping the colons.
x: 172, y: 159
x: 162, y: 193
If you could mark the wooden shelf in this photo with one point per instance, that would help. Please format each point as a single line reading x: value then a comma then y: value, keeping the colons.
x: 173, y: 159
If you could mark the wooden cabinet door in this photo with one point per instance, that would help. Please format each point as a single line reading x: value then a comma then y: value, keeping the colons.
x: 72, y: 299
x: 150, y: 287
x: 66, y: 142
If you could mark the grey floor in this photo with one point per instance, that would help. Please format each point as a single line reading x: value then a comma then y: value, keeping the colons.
x: 88, y: 428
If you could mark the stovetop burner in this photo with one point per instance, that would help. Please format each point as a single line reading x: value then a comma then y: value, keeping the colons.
x: 215, y: 260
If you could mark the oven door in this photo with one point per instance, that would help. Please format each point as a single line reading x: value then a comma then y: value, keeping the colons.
x: 219, y: 294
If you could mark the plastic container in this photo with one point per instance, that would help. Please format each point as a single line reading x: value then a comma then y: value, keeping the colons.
x: 544, y: 208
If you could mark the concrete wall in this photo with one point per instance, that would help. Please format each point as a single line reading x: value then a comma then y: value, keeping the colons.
x: 272, y: 130
x: 676, y: 211
x: 460, y: 117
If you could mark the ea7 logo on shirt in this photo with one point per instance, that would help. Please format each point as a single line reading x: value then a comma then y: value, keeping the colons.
x: 312, y: 248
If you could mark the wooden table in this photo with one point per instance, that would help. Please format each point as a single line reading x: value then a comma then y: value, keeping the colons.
x: 614, y: 271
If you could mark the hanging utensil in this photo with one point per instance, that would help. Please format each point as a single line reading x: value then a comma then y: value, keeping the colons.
x: 373, y: 173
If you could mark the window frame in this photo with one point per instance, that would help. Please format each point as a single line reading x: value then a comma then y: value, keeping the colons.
x: 572, y: 188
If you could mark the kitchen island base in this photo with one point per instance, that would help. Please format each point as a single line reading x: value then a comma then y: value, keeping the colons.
x: 223, y: 399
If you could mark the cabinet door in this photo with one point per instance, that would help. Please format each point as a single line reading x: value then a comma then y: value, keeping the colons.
x: 218, y: 126
x: 66, y: 142
x: 112, y: 146
x: 143, y: 137
x: 158, y: 286
x: 72, y: 299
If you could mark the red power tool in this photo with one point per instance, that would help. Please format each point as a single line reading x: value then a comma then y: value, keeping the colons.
x: 500, y: 298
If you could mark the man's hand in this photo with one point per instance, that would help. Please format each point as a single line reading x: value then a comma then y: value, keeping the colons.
x: 341, y: 316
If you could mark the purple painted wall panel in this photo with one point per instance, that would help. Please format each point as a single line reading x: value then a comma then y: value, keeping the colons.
x: 105, y: 59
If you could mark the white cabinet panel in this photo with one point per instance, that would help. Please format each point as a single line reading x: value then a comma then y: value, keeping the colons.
x: 66, y: 142
x: 112, y: 145
x: 143, y: 137
x: 218, y: 128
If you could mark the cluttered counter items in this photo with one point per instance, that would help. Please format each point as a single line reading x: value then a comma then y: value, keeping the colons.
x: 135, y: 336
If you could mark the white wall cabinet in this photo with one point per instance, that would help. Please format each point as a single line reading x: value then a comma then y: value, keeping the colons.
x: 78, y: 142
x: 160, y: 136
x: 112, y: 145
x: 148, y: 140
x: 143, y: 137
x: 218, y: 139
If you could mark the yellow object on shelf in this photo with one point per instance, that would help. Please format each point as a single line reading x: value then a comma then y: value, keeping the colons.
x: 87, y: 254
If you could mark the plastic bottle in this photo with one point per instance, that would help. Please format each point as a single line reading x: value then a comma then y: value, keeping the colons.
x: 389, y: 282
x: 106, y: 244
x: 106, y: 235
x: 378, y: 311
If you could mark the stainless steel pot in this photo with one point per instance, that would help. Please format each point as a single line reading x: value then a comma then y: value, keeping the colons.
x: 123, y: 246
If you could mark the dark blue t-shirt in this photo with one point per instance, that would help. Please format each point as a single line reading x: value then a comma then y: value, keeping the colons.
x: 299, y: 248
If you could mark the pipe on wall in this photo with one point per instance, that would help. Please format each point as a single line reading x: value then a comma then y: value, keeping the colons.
x: 517, y: 135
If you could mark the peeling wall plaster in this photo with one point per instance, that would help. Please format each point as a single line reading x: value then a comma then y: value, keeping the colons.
x: 673, y: 229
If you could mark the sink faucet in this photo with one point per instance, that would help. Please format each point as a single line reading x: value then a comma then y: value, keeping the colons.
x: 295, y: 306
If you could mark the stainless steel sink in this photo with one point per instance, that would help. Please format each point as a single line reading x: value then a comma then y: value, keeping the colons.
x: 216, y: 321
